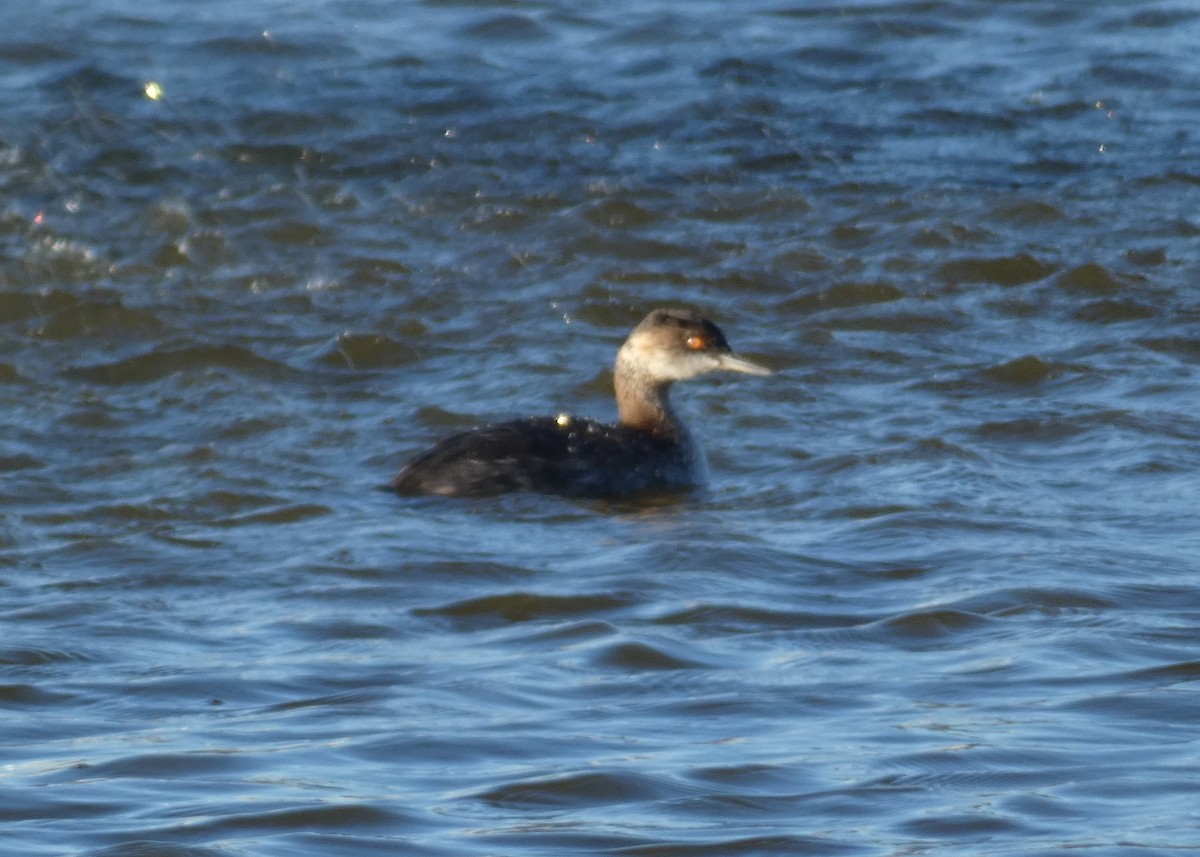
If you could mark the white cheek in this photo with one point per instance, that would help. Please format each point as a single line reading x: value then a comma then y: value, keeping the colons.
x: 679, y: 368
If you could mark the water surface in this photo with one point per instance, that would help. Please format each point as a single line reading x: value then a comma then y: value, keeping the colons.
x: 940, y: 597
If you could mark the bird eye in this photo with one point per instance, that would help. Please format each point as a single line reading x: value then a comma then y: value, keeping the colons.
x: 696, y: 342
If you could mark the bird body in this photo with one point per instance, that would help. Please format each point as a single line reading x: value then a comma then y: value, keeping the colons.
x: 648, y: 449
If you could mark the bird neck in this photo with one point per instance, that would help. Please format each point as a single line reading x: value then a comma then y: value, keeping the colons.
x: 643, y: 402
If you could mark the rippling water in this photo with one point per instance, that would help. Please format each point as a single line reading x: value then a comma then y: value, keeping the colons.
x: 942, y: 595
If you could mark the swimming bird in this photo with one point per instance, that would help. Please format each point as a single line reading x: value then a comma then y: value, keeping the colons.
x: 648, y: 449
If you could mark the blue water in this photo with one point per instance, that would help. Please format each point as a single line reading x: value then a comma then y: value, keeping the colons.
x: 940, y: 597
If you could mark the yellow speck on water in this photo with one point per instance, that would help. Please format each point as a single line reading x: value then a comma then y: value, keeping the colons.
x: 563, y: 420
x: 153, y: 90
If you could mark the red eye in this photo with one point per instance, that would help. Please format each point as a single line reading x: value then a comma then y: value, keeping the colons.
x: 696, y: 342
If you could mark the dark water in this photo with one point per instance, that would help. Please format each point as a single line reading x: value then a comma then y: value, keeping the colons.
x: 942, y: 596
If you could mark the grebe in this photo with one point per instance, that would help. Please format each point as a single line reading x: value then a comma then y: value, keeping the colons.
x: 648, y: 449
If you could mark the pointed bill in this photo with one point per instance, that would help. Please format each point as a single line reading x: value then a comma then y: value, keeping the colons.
x: 733, y: 363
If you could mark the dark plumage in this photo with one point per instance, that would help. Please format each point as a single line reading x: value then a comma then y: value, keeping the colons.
x: 551, y: 455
